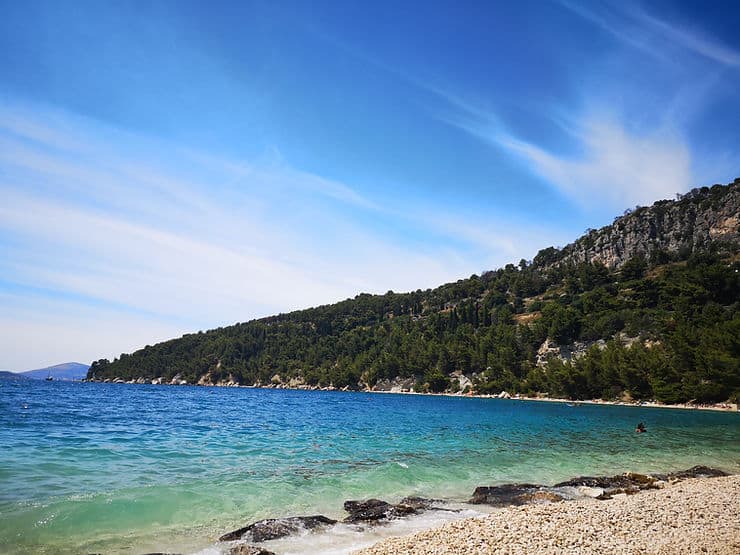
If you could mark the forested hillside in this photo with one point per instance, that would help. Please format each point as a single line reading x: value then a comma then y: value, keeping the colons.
x: 620, y: 313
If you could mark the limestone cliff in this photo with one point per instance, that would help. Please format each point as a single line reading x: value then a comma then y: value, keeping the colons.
x: 704, y: 217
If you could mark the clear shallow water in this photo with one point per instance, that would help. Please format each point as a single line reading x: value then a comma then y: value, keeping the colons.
x: 135, y: 468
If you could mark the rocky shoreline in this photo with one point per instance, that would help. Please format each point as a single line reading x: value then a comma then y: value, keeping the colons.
x: 296, y: 386
x: 571, y: 495
x: 695, y: 516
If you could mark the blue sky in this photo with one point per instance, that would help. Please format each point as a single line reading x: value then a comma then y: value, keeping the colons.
x: 173, y: 166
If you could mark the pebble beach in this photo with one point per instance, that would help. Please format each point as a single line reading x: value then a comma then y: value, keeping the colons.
x: 699, y: 515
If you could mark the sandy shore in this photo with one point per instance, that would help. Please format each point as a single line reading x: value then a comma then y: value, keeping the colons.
x: 700, y: 515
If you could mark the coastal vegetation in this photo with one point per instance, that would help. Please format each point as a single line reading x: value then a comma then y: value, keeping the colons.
x: 646, y: 308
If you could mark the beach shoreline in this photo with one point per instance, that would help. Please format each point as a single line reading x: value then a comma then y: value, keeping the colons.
x: 720, y: 407
x: 696, y: 515
x: 582, y: 515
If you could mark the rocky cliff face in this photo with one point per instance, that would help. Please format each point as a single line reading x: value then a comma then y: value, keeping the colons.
x: 702, y: 217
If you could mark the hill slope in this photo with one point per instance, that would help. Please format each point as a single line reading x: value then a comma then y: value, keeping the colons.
x: 65, y: 371
x: 644, y: 308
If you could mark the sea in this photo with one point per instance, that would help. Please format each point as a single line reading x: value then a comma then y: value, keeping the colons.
x: 118, y: 468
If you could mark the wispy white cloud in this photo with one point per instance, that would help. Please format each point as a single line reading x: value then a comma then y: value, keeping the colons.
x: 20, y: 126
x: 694, y: 41
x: 635, y: 26
x: 616, y: 168
x: 148, y: 268
x: 110, y: 240
x: 611, y: 166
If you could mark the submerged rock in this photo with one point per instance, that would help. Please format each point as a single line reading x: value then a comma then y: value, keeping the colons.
x: 642, y: 479
x: 501, y: 496
x: 246, y: 549
x: 603, y: 482
x: 273, y: 528
x: 375, y: 509
x: 699, y: 471
x: 420, y: 503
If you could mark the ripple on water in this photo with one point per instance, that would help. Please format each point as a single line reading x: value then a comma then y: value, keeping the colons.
x: 101, y: 467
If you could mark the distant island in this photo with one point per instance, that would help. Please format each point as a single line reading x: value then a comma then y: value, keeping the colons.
x: 647, y: 308
x: 6, y: 375
x: 65, y: 371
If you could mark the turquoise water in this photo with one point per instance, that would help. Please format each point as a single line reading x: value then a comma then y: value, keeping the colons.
x: 129, y: 468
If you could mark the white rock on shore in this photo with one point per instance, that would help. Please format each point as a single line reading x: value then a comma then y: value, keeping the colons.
x: 699, y: 516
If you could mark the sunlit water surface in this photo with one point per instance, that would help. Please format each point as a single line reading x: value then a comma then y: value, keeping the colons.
x: 132, y: 468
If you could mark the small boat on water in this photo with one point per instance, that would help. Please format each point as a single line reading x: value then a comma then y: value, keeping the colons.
x: 49, y: 378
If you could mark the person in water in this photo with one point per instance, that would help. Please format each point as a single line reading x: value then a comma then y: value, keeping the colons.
x: 640, y: 428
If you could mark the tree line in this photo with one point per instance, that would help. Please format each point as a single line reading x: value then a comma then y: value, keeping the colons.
x: 669, y: 326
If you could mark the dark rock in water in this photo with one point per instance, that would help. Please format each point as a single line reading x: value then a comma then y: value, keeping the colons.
x: 372, y: 509
x: 643, y: 480
x: 501, y: 496
x: 629, y: 483
x: 235, y: 535
x: 632, y: 482
x: 249, y: 550
x: 273, y: 528
x: 419, y: 503
x: 698, y: 471
x: 375, y: 509
x: 522, y: 494
x: 604, y: 482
